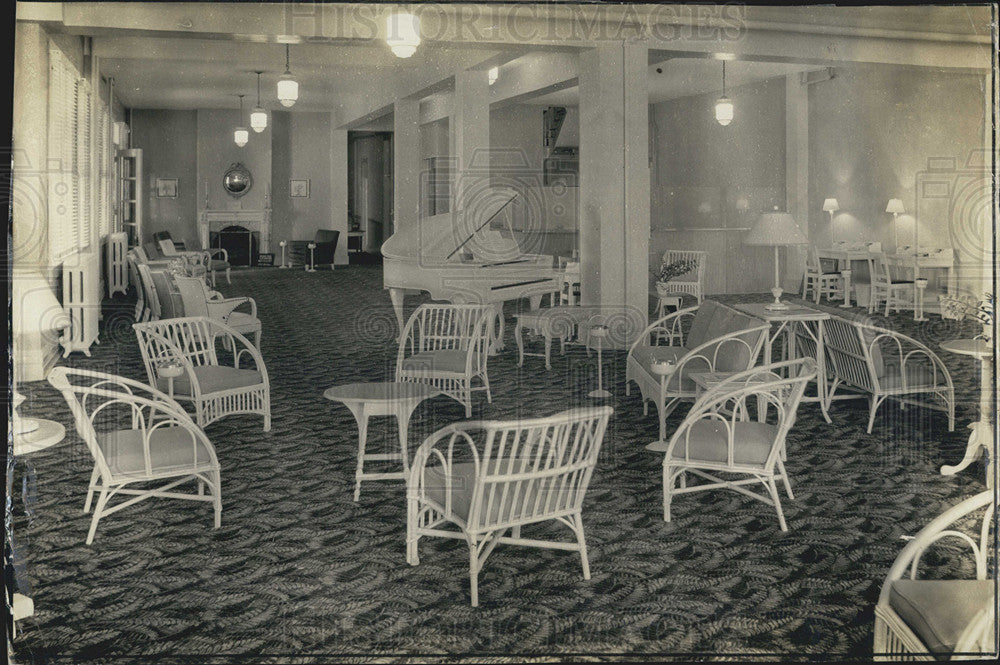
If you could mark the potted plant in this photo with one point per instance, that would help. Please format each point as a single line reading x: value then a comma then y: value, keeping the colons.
x: 669, y: 271
x: 963, y: 307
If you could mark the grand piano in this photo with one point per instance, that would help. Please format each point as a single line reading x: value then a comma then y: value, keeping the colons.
x: 466, y: 256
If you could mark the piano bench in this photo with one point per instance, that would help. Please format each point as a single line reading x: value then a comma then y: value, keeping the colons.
x: 552, y: 323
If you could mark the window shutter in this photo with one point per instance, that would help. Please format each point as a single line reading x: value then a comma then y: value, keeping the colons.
x: 62, y: 118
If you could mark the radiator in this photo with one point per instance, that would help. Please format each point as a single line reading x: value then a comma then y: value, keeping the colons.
x: 117, y: 277
x: 81, y: 299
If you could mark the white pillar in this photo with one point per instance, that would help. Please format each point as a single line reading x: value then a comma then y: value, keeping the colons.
x: 470, y: 134
x: 614, y: 178
x: 338, y: 191
x: 405, y: 162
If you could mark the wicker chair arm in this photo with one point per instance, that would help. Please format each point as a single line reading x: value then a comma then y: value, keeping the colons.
x: 660, y: 324
x: 909, y: 557
x: 431, y: 449
x: 699, y: 352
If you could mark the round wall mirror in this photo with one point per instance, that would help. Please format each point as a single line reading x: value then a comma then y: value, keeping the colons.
x: 237, y: 180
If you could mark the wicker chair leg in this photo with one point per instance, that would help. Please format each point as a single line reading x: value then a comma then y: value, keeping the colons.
x: 473, y: 574
x: 772, y: 489
x: 102, y: 501
x: 90, y: 488
x: 217, y: 494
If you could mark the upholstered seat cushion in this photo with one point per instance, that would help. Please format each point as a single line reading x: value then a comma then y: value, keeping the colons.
x: 707, y: 441
x: 213, y: 379
x: 700, y: 324
x: 445, y: 360
x: 939, y: 611
x: 918, y: 375
x: 218, y: 264
x: 241, y: 322
x: 462, y: 482
x: 170, y: 449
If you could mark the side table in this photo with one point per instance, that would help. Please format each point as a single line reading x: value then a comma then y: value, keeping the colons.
x: 365, y: 400
x: 982, y: 430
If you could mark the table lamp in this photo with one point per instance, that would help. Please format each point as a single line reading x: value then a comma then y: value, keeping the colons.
x: 777, y: 229
x: 831, y: 206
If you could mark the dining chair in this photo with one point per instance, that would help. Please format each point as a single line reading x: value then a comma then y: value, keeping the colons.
x: 897, y: 293
x: 829, y: 284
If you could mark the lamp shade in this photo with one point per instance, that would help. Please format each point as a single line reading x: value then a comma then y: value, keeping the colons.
x: 775, y: 228
x: 258, y: 120
x: 895, y: 206
x: 241, y: 136
x: 830, y: 205
x: 402, y: 34
x: 724, y: 111
x: 288, y: 90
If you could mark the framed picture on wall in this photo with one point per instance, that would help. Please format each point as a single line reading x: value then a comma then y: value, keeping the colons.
x: 299, y: 188
x: 166, y: 188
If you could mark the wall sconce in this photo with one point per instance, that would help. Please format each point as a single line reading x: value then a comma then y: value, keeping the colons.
x: 493, y: 74
x: 402, y: 34
x: 724, y: 105
x: 241, y: 135
x: 288, y: 88
x: 831, y: 206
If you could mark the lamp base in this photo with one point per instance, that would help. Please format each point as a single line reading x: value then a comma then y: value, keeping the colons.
x: 777, y: 304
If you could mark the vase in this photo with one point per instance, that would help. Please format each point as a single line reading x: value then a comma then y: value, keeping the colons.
x: 661, y: 289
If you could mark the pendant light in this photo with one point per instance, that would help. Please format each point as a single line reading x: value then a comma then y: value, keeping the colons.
x: 724, y: 106
x: 288, y: 88
x: 258, y: 117
x: 402, y: 34
x: 241, y: 135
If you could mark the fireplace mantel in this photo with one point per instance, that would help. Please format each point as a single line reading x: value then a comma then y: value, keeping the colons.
x: 210, y: 221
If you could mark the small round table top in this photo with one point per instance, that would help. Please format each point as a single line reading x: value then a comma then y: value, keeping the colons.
x: 968, y: 347
x: 381, y: 392
x: 48, y: 433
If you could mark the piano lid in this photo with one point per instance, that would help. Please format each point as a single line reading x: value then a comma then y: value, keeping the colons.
x: 480, y: 233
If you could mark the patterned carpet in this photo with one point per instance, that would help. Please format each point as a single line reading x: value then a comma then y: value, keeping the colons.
x: 299, y: 573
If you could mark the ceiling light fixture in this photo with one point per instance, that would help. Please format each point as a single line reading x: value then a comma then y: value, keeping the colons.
x: 241, y: 135
x: 493, y: 74
x: 402, y: 34
x: 258, y: 117
x: 724, y: 106
x: 288, y: 88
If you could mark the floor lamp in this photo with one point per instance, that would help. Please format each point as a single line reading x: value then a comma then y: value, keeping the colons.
x: 777, y: 229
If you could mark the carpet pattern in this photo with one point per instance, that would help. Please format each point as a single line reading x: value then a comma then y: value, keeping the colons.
x: 299, y: 573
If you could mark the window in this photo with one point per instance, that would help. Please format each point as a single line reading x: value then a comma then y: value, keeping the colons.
x: 70, y: 169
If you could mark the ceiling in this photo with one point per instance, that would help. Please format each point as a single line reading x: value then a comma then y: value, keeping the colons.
x: 202, y: 55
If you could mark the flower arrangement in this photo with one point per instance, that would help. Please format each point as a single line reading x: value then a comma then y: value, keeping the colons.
x: 668, y: 271
x: 961, y: 307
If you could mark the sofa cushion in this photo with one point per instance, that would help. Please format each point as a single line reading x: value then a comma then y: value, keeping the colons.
x: 939, y: 611
x: 918, y: 375
x: 212, y: 379
x: 170, y: 448
x: 732, y: 356
x: 707, y: 441
x: 698, y: 332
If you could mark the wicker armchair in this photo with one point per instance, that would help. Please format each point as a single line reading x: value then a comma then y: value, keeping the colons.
x: 717, y: 436
x: 215, y: 388
x: 199, y: 300
x: 488, y: 477
x: 940, y: 619
x: 143, y: 443
x: 447, y: 346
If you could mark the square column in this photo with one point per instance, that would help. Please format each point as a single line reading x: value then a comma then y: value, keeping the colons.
x: 614, y: 180
x: 405, y: 162
x: 470, y: 136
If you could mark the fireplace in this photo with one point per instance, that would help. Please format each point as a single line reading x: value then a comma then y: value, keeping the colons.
x: 241, y: 243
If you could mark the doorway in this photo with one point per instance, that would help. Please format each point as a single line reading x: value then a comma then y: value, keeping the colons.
x: 369, y: 194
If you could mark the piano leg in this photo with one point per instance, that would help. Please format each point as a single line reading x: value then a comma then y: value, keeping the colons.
x: 497, y: 330
x: 396, y: 296
x: 535, y: 301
